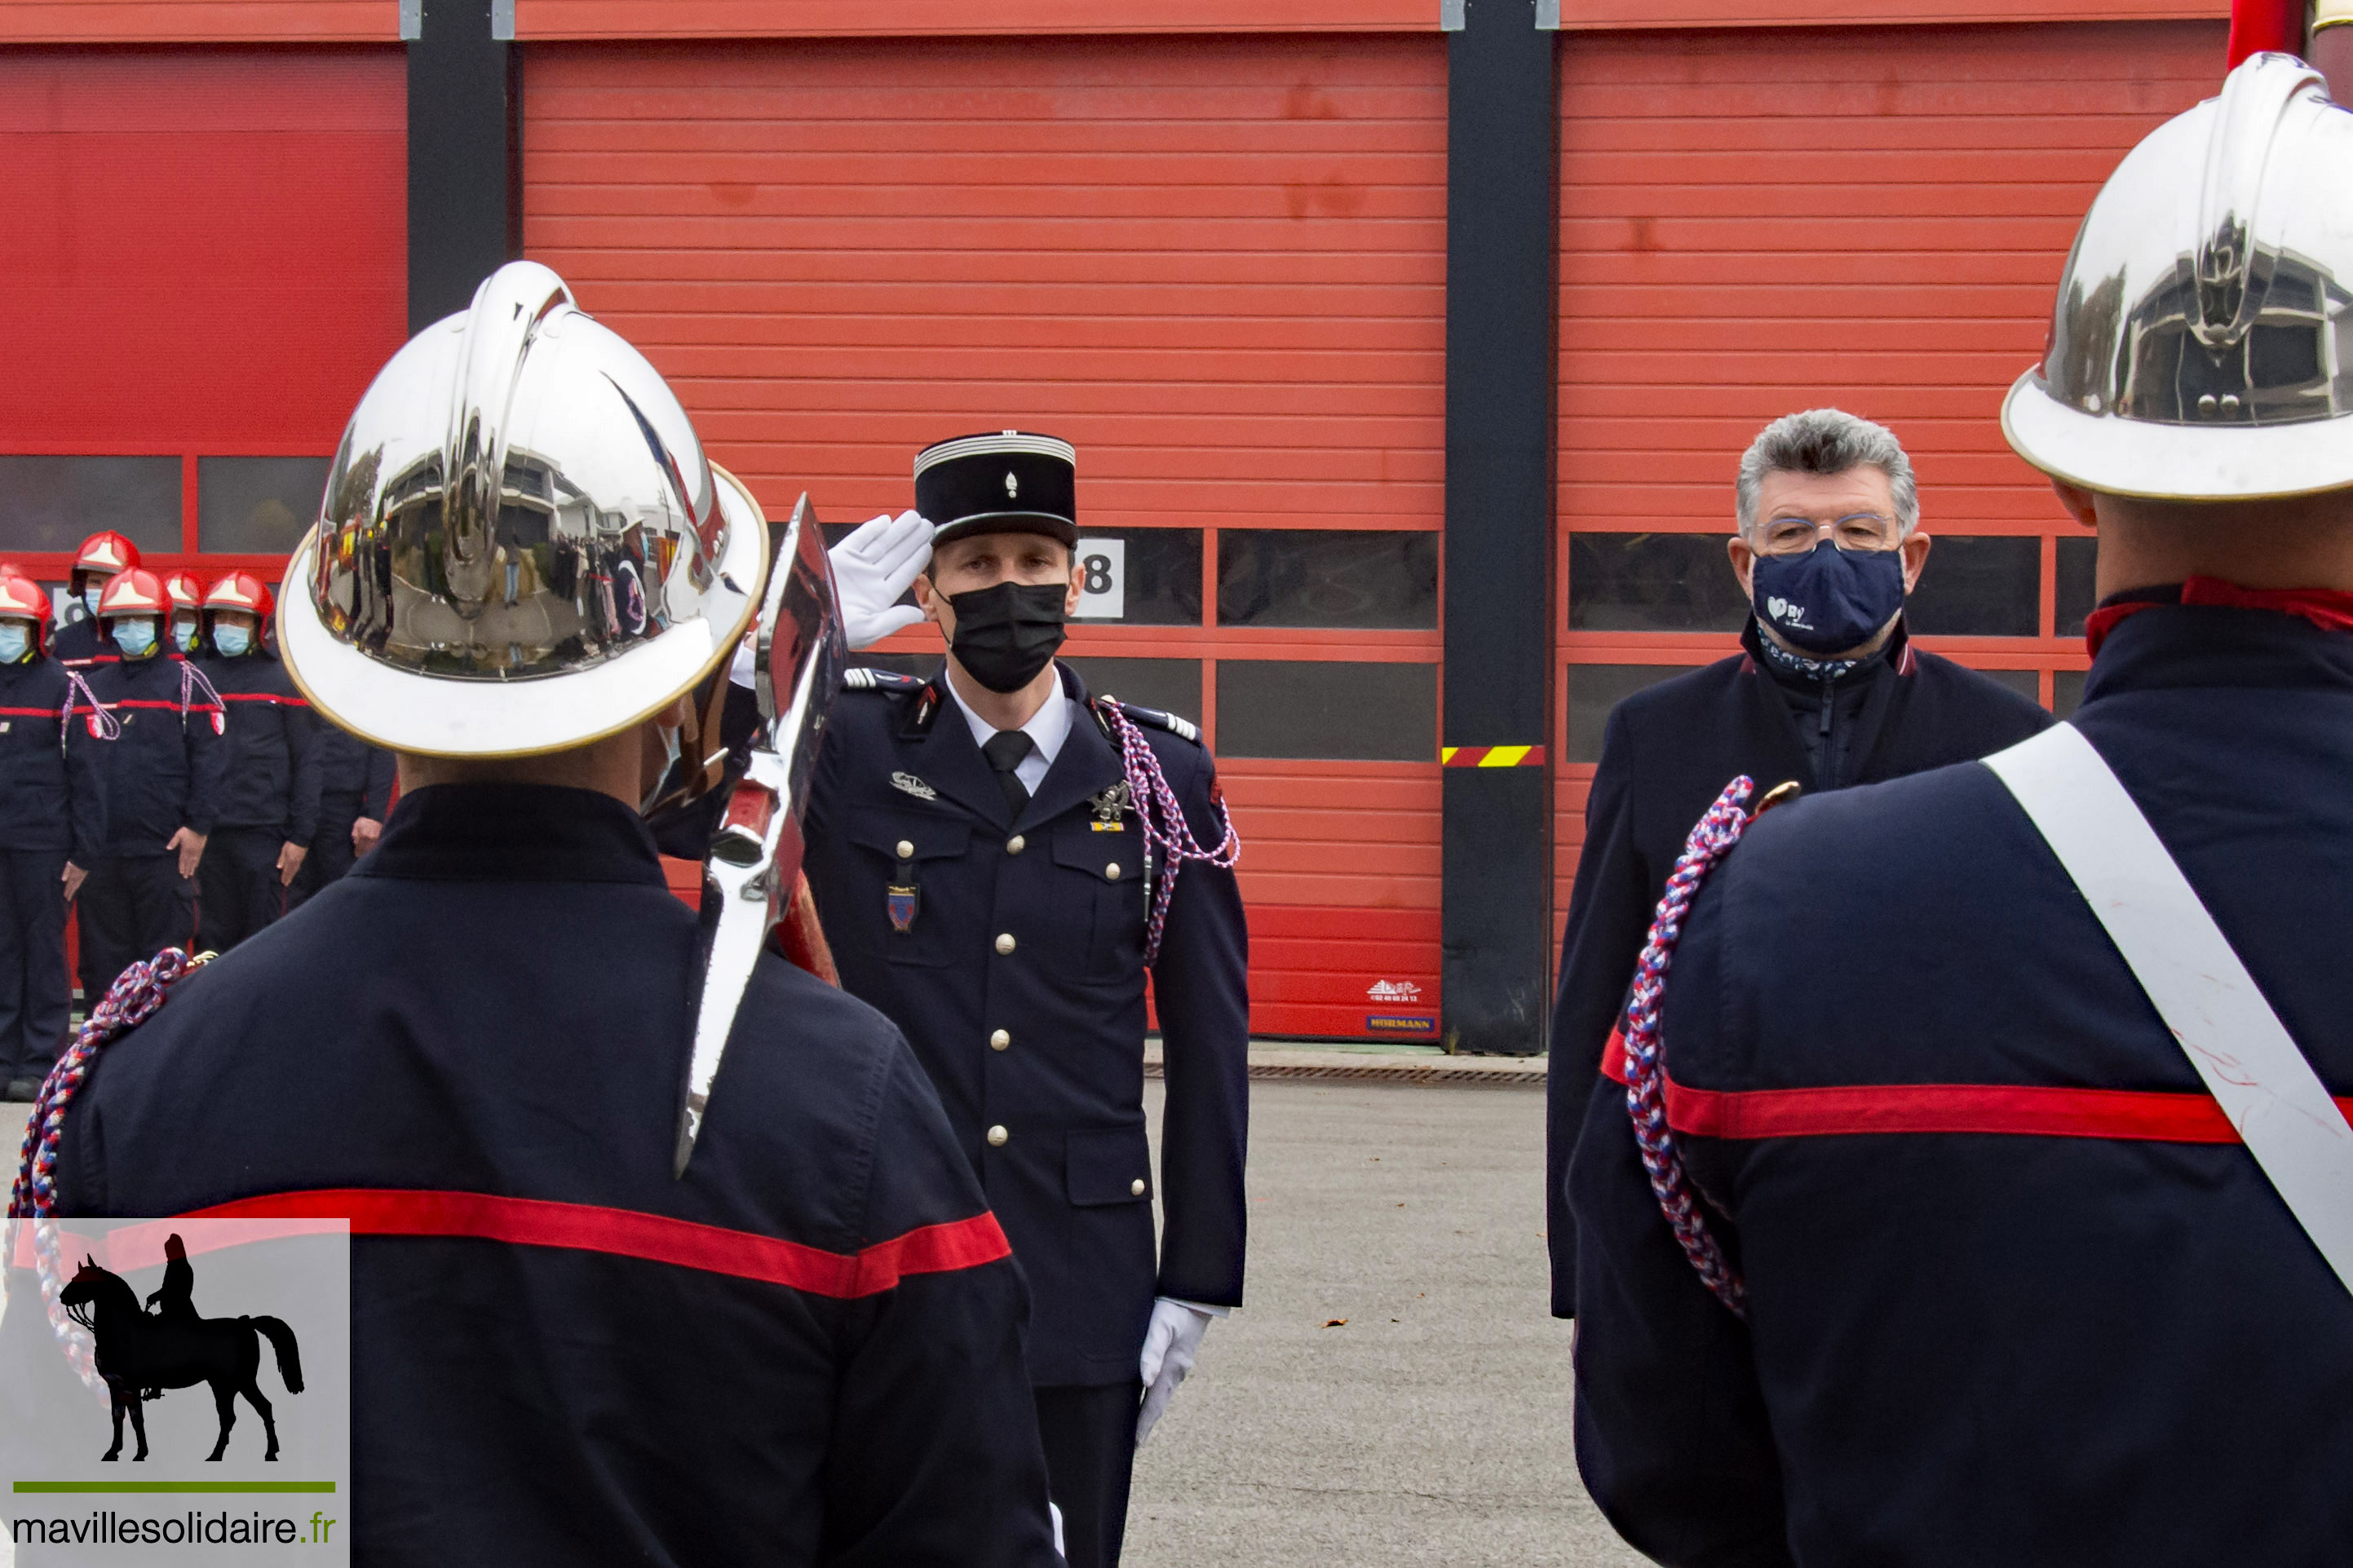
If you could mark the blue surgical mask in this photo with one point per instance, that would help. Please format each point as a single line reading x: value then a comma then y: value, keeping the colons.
x: 89, y: 595
x: 16, y: 642
x: 135, y: 636
x: 1828, y: 600
x: 231, y: 641
x: 183, y: 634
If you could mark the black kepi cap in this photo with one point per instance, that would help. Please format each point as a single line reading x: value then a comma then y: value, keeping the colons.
x: 1007, y: 481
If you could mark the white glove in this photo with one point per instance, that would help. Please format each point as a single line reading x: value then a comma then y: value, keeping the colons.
x: 1169, y: 1346
x: 871, y: 568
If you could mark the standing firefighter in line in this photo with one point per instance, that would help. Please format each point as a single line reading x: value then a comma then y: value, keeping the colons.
x: 1982, y: 1198
x: 999, y: 859
x: 81, y: 643
x: 804, y: 1346
x: 52, y: 824
x: 160, y: 754
x: 269, y: 808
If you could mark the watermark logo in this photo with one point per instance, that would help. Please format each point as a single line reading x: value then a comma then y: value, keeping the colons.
x: 176, y: 1390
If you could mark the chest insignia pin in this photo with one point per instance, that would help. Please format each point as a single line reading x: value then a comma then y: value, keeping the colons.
x: 1108, y: 805
x: 915, y: 786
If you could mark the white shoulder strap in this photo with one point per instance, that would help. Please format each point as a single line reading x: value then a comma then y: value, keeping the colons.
x: 2194, y: 978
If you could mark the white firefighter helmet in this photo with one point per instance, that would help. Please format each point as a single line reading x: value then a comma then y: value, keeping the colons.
x: 2201, y: 348
x: 522, y: 548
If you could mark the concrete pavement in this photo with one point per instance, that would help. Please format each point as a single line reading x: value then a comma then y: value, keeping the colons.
x: 1432, y: 1425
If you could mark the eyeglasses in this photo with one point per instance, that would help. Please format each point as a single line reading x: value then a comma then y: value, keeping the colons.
x: 1856, y: 532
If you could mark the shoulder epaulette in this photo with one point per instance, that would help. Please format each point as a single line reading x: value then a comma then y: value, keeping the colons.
x: 1159, y: 720
x: 865, y: 679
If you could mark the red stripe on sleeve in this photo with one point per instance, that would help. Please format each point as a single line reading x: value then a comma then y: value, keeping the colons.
x: 626, y: 1233
x: 2157, y: 1116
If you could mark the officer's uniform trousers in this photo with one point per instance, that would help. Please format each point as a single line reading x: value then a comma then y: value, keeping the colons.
x: 806, y: 1350
x: 52, y: 808
x: 1009, y: 950
x: 161, y: 773
x: 2016, y: 1292
x: 269, y: 797
x: 1666, y: 753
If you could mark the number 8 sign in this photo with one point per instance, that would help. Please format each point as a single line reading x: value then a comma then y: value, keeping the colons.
x: 1103, y: 594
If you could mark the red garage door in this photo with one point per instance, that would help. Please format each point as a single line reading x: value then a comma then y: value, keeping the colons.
x: 1216, y: 265
x: 204, y: 263
x: 1761, y: 221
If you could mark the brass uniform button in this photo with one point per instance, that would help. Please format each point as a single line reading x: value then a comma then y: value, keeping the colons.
x: 996, y: 1137
x: 1005, y: 942
x: 1136, y: 1186
x: 906, y: 849
x: 1014, y: 844
x: 1111, y: 872
x: 999, y: 1040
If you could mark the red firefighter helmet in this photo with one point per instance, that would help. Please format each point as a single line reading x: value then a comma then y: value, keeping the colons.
x: 240, y: 591
x: 137, y: 592
x: 21, y: 599
x: 106, y: 553
x: 183, y: 589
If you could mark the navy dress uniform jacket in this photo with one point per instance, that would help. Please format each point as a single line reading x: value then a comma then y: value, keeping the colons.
x: 808, y: 1350
x: 271, y: 775
x: 1667, y: 753
x: 80, y: 645
x: 2016, y: 1293
x: 355, y: 776
x: 1072, y: 1181
x: 51, y: 797
x: 163, y: 772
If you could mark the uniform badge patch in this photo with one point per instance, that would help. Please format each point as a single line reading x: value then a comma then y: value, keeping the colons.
x: 915, y: 786
x: 903, y: 903
x: 1107, y: 805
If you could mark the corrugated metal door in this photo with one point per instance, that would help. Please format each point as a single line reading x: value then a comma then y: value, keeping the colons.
x: 1216, y: 265
x: 1755, y: 222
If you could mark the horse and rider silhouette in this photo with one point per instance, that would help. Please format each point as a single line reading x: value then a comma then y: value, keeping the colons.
x: 171, y: 1347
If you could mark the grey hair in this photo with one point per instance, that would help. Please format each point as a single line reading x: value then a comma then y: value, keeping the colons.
x: 1827, y: 441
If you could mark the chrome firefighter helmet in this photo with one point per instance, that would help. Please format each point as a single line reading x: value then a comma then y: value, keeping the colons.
x: 2201, y: 348
x: 522, y: 548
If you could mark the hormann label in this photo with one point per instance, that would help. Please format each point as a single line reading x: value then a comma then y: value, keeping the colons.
x: 176, y: 1391
x: 1395, y: 1023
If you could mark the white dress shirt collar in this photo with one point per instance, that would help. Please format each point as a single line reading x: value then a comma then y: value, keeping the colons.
x: 1048, y: 729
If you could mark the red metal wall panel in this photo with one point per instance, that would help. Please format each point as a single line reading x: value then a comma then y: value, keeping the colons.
x: 1755, y: 222
x: 830, y: 18
x: 198, y: 21
x: 1218, y: 266
x: 206, y: 249
x: 1718, y: 15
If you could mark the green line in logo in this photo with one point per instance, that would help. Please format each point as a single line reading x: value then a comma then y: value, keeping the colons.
x: 174, y: 1487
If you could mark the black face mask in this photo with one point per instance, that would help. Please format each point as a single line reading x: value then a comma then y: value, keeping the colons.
x: 1005, y: 635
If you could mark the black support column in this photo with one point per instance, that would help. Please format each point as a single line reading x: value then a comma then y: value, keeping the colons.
x: 1501, y: 172
x: 465, y: 151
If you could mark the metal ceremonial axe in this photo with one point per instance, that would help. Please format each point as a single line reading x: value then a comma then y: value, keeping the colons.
x: 755, y: 859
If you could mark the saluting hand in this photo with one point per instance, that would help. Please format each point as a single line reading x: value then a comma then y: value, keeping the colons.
x: 290, y: 860
x: 73, y: 879
x: 191, y: 845
x: 872, y: 565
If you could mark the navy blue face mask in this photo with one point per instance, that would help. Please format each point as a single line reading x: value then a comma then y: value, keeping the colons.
x: 1828, y: 600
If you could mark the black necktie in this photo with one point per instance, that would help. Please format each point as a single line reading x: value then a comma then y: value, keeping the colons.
x: 1004, y: 751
